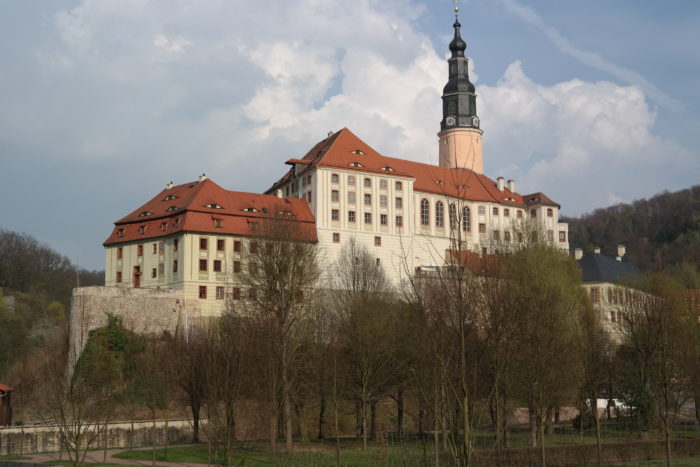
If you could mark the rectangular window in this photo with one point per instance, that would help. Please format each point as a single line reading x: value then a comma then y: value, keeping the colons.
x: 237, y: 246
x: 254, y: 247
x: 142, y: 229
x: 496, y: 235
x: 161, y: 269
x: 119, y: 276
x: 495, y: 211
x: 377, y: 241
x: 482, y: 210
x: 202, y: 291
x: 368, y: 183
x: 351, y: 216
x: 384, y: 219
x: 506, y: 212
x: 550, y: 212
x: 383, y: 184
x: 175, y: 266
x: 161, y: 248
x: 218, y: 223
x: 217, y: 265
x: 336, y: 237
x: 236, y: 292
x: 253, y: 268
x: 506, y: 235
x: 203, y: 244
x: 368, y: 199
x: 203, y: 265
x: 351, y: 197
x: 139, y: 250
x: 155, y: 248
x: 399, y: 221
x: 220, y: 244
x: 550, y: 235
x: 303, y: 182
x: 398, y: 186
x: 335, y: 196
x: 164, y: 227
x: 533, y: 213
x: 595, y: 294
x: 383, y: 202
x: 176, y: 223
x: 520, y: 214
x: 482, y: 228
x: 562, y: 236
x: 153, y: 273
x: 120, y: 252
x: 219, y: 293
x: 335, y: 215
x: 399, y: 203
x: 368, y: 218
x: 120, y: 233
x: 308, y: 196
x: 175, y: 244
x: 335, y: 178
x: 351, y: 179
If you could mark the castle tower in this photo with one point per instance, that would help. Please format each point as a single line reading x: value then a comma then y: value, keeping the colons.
x: 460, y: 136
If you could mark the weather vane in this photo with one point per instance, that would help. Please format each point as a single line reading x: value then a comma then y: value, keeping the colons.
x: 456, y: 2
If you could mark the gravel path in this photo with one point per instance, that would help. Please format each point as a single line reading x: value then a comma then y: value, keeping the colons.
x: 98, y: 457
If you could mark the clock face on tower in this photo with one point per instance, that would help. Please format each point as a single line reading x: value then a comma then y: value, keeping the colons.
x: 450, y: 121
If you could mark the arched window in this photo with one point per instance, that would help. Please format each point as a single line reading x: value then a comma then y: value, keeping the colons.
x: 466, y: 220
x: 454, y: 223
x: 439, y: 214
x: 424, y: 212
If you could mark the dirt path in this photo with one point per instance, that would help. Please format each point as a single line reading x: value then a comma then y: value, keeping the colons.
x: 98, y: 457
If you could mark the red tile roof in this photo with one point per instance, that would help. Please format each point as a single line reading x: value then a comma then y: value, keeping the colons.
x: 342, y: 149
x: 5, y: 388
x: 240, y: 213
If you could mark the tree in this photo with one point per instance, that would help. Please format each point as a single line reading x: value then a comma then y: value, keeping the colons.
x: 282, y: 276
x: 660, y: 334
x: 362, y: 295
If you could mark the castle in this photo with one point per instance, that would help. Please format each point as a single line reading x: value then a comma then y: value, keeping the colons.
x: 193, y: 238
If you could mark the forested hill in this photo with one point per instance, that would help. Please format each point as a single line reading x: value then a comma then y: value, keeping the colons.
x: 660, y: 233
x: 30, y: 267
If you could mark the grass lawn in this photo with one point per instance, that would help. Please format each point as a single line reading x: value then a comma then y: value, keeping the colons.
x: 13, y: 458
x: 689, y: 462
x: 65, y: 462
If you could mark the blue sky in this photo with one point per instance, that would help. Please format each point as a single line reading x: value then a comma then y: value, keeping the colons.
x: 103, y: 102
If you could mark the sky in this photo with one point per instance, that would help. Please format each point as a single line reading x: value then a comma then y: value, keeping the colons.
x: 103, y: 102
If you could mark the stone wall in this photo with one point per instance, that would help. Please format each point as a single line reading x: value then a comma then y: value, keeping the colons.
x: 36, y: 439
x: 144, y: 311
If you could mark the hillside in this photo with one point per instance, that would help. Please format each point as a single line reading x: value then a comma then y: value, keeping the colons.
x: 35, y: 290
x: 661, y: 232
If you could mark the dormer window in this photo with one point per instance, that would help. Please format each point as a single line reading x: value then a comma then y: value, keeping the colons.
x: 250, y: 210
x: 120, y: 233
x: 176, y: 223
x: 213, y: 206
x: 218, y: 223
x: 145, y: 214
x: 356, y: 164
x: 358, y: 151
x: 439, y: 182
x: 387, y: 169
x: 284, y: 213
x: 142, y: 229
x: 172, y: 208
x: 510, y: 199
x: 164, y: 227
x: 463, y: 187
x: 169, y: 198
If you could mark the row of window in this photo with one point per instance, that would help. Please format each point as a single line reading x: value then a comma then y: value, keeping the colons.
x: 142, y: 229
x: 219, y: 290
x: 383, y: 218
x: 367, y: 182
x: 159, y: 248
x: 216, y: 266
x: 377, y: 239
x: 383, y: 199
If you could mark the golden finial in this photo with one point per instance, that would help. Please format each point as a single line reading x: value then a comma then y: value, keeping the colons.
x: 456, y: 2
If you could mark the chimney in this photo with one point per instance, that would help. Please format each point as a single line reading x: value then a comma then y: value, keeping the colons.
x: 578, y: 254
x: 169, y: 185
x: 202, y: 177
x: 500, y: 181
x: 621, y: 251
x: 279, y: 193
x: 511, y: 186
x: 596, y: 250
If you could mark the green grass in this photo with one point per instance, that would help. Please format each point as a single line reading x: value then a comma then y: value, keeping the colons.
x: 67, y: 463
x: 689, y: 462
x: 13, y: 458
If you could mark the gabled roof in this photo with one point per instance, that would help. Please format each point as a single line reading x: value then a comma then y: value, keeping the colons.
x: 343, y: 149
x: 602, y: 268
x: 193, y: 207
x: 5, y: 388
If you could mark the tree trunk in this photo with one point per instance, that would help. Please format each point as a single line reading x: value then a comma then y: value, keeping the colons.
x: 322, y: 417
x: 287, y: 402
x: 194, y: 406
x: 697, y: 406
x: 153, y: 441
x: 373, y: 421
x: 540, y: 421
x: 667, y: 434
x: 358, y: 419
x: 364, y: 422
x: 598, y: 435
x: 165, y: 438
x: 399, y: 412
x: 533, y: 429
